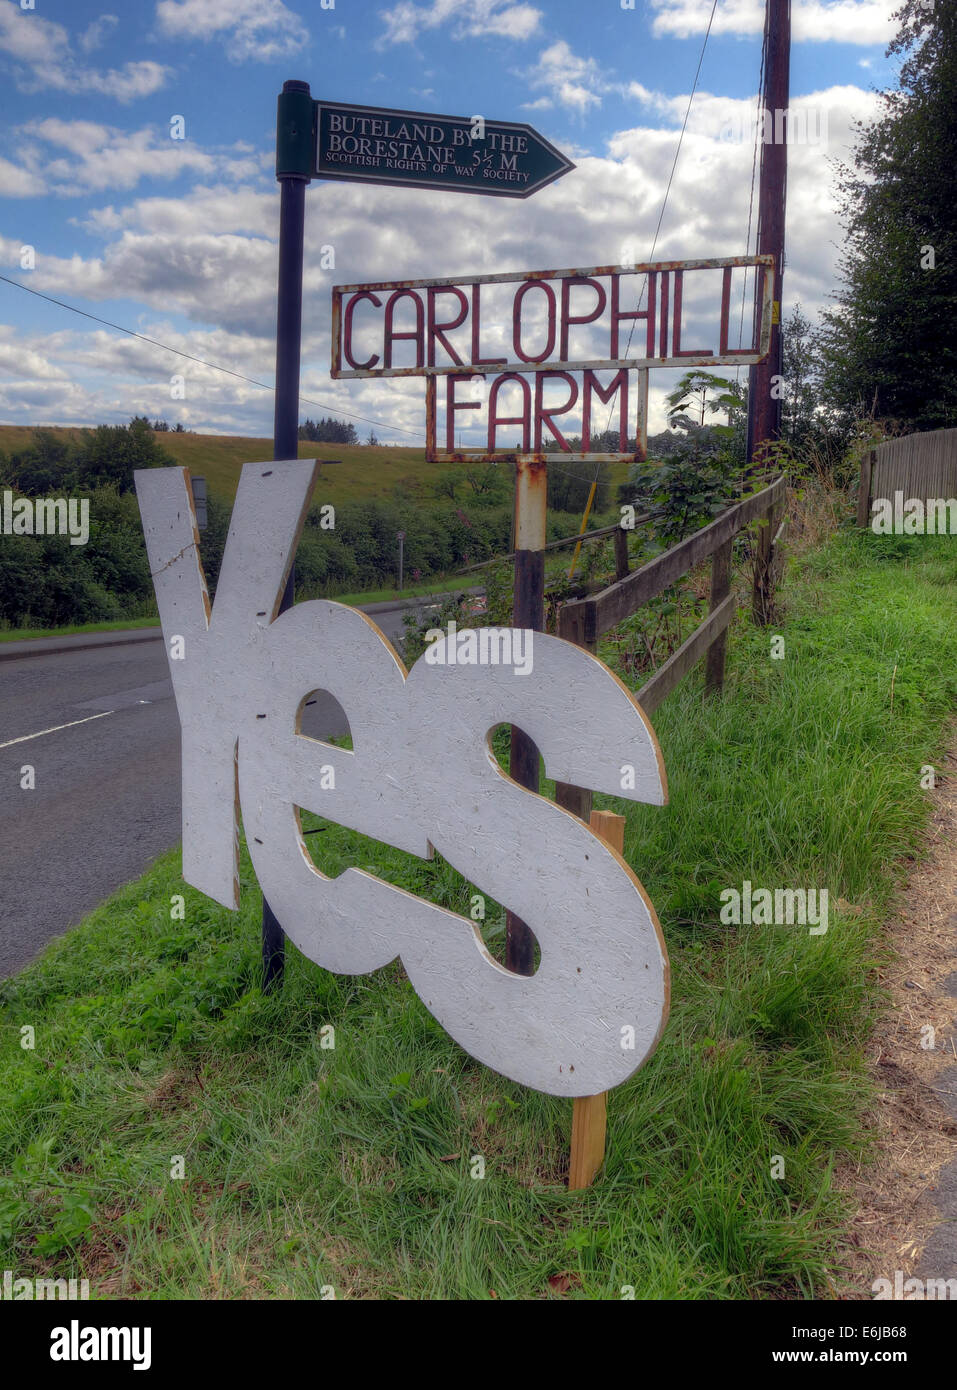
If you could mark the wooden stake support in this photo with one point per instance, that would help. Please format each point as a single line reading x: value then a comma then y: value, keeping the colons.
x: 589, y: 1113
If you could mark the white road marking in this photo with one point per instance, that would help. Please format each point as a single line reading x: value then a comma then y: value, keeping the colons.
x: 56, y: 728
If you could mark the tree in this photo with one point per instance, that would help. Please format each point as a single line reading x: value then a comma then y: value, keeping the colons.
x: 490, y: 482
x: 890, y: 344
x: 107, y: 455
x: 46, y: 465
x: 111, y: 454
x: 702, y: 392
x: 800, y: 401
x: 328, y: 431
x: 696, y: 394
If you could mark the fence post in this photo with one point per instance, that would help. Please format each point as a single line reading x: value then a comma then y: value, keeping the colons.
x: 762, y: 593
x: 720, y: 588
x: 864, y: 492
x: 621, y: 553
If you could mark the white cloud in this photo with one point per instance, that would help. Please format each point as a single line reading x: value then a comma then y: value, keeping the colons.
x: 9, y: 251
x: 217, y: 208
x: 23, y: 361
x: 125, y: 84
x: 97, y: 32
x: 30, y: 38
x: 721, y: 119
x: 708, y: 205
x: 83, y: 377
x: 470, y: 19
x: 571, y: 80
x: 513, y: 22
x: 17, y: 182
x: 79, y: 157
x: 74, y: 158
x: 223, y: 279
x: 258, y: 30
x: 813, y: 21
x: 27, y: 401
x: 45, y: 59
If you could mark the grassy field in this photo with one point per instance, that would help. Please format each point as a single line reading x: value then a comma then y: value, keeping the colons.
x: 308, y: 1168
x: 364, y: 470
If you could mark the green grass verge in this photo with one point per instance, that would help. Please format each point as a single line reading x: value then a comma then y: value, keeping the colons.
x: 308, y: 1167
x: 435, y: 586
x: 24, y: 634
x: 440, y: 586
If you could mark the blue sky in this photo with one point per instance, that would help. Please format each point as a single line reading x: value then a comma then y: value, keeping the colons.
x: 176, y: 238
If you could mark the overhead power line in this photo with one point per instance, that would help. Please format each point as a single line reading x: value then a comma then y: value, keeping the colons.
x: 214, y: 366
x: 664, y: 201
x: 684, y: 126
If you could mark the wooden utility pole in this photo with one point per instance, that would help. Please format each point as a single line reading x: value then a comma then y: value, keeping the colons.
x: 764, y: 385
x: 764, y: 409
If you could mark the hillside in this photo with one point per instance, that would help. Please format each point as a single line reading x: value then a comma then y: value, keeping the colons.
x: 364, y: 471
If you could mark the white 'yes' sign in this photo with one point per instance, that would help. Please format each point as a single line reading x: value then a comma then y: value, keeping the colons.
x: 421, y: 776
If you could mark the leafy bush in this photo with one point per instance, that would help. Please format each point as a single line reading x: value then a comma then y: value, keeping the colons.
x: 687, y: 489
x: 47, y: 582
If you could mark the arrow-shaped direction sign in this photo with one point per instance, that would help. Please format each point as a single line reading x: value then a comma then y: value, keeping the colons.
x: 412, y: 149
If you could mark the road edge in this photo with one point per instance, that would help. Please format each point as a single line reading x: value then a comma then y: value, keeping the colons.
x: 79, y: 641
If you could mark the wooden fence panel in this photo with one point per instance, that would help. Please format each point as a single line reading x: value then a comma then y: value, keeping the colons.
x: 918, y: 465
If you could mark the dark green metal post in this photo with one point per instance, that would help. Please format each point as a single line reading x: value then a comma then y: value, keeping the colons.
x: 295, y: 140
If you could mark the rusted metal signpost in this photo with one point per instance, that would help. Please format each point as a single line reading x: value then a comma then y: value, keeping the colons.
x: 560, y: 323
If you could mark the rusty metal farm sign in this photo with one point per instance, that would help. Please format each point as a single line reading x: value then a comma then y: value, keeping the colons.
x: 487, y: 334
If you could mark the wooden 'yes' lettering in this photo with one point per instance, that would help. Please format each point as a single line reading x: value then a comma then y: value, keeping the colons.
x: 421, y: 777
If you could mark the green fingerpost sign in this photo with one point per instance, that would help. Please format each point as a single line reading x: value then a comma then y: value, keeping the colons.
x: 412, y: 149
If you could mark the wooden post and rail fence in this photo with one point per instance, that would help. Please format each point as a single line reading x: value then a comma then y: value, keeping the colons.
x: 583, y: 621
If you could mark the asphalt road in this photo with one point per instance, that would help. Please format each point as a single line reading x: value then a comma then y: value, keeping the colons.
x: 98, y: 726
